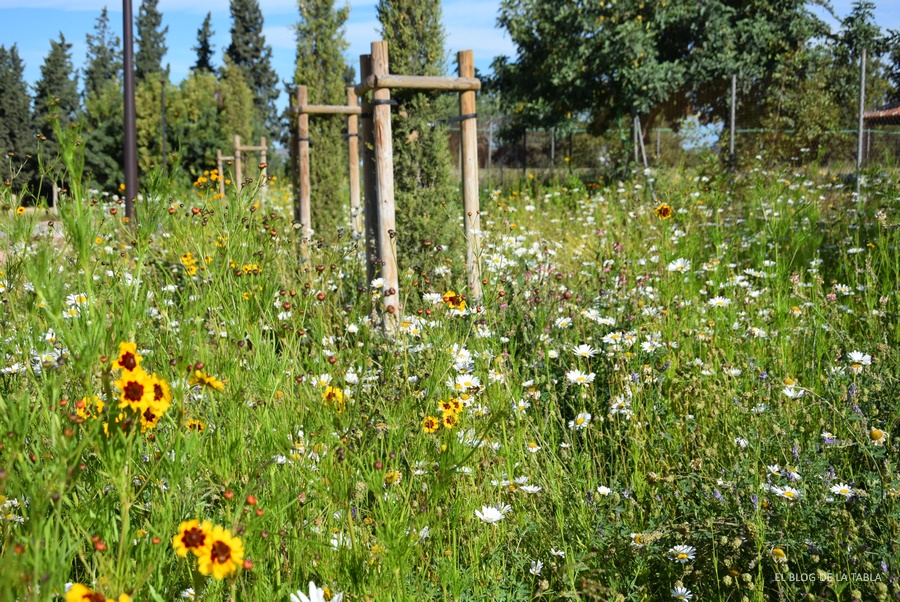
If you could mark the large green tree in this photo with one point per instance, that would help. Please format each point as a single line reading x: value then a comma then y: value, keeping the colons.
x: 321, y: 67
x: 204, y: 47
x: 249, y: 52
x: 610, y: 60
x: 16, y: 129
x: 424, y: 187
x: 151, y: 42
x: 194, y: 123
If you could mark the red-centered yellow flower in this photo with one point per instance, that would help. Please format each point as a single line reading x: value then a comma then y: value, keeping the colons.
x: 80, y: 593
x: 454, y: 301
x: 195, y: 425
x: 449, y: 421
x: 192, y: 537
x: 663, y: 211
x: 128, y: 359
x: 90, y: 408
x: 224, y: 555
x: 20, y: 210
x: 207, y: 380
x: 162, y: 399
x: 430, y: 424
x: 137, y: 390
x: 334, y: 398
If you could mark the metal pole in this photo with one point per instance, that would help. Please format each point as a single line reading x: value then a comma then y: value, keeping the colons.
x: 162, y: 121
x: 658, y: 130
x: 490, y: 142
x: 525, y: 153
x: 862, y: 105
x: 130, y: 114
x: 553, y: 147
x: 733, y: 120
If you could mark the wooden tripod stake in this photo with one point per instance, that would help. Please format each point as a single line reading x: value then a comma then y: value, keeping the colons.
x: 352, y: 111
x: 381, y: 230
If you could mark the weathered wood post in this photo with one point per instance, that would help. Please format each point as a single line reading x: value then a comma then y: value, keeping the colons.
x: 264, y: 172
x: 238, y: 175
x: 369, y: 184
x: 384, y: 168
x: 304, y: 216
x: 353, y: 152
x: 221, y: 172
x: 469, y: 145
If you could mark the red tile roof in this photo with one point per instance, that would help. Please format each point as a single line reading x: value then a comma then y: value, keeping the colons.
x: 887, y: 115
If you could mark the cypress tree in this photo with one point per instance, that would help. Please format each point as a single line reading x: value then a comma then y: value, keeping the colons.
x: 104, y: 60
x: 16, y: 131
x: 151, y: 42
x: 321, y: 67
x: 248, y: 51
x: 236, y: 100
x: 422, y: 177
x: 204, y: 47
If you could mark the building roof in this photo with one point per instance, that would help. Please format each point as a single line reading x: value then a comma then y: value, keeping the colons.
x: 886, y: 115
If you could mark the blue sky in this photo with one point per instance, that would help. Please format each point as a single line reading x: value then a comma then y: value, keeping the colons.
x: 470, y: 24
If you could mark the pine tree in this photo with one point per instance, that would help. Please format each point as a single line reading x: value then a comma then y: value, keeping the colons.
x: 55, y: 92
x: 249, y: 52
x: 16, y: 131
x: 321, y: 67
x: 151, y: 42
x: 103, y: 136
x: 204, y: 47
x: 104, y: 60
x: 422, y: 177
x: 102, y: 116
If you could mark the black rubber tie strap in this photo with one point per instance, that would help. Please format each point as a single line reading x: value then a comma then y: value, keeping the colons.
x: 384, y: 101
x: 465, y: 117
x: 350, y: 135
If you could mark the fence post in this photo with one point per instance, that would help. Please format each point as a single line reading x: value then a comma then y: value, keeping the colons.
x: 384, y: 167
x: 733, y: 120
x: 369, y: 184
x: 264, y: 172
x: 862, y: 105
x: 304, y: 218
x: 238, y: 176
x: 353, y: 154
x: 468, y: 134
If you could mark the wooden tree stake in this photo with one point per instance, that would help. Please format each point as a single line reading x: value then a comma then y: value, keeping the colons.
x: 303, y: 160
x: 469, y: 149
x: 369, y: 183
x: 353, y: 152
x: 238, y: 174
x: 384, y: 166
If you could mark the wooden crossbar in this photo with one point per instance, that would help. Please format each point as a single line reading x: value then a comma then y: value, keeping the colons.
x: 418, y: 82
x: 329, y: 110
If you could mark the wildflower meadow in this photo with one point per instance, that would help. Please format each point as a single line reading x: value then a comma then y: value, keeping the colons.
x: 690, y: 395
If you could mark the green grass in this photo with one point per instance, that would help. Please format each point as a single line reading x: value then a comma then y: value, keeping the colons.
x: 809, y: 275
